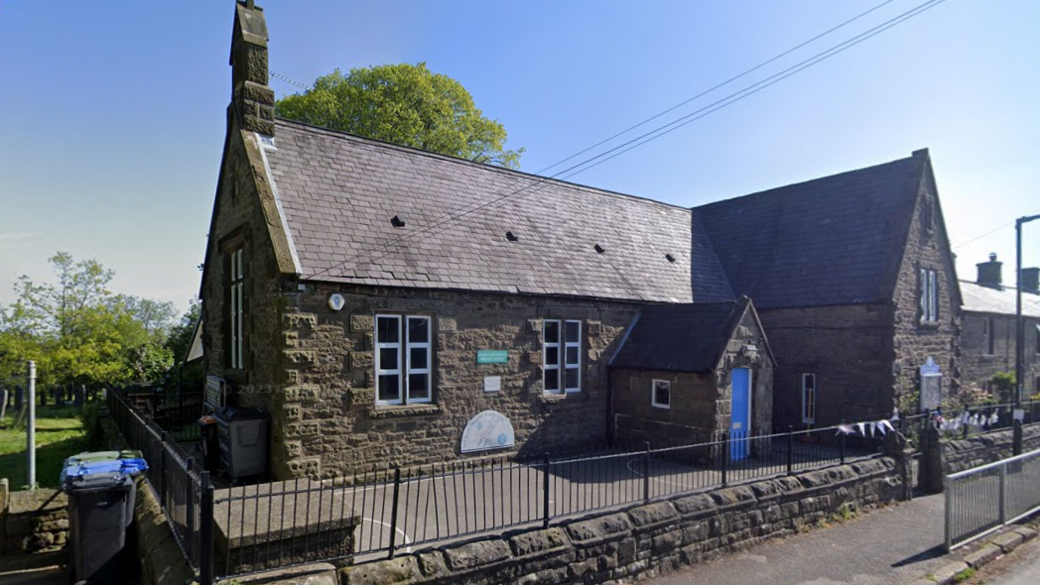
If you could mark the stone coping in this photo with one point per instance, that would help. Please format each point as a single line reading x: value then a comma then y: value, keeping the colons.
x: 281, y: 510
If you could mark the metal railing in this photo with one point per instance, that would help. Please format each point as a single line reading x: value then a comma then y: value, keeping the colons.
x: 1004, y: 417
x: 986, y: 498
x: 280, y: 524
x: 177, y: 480
x: 228, y: 532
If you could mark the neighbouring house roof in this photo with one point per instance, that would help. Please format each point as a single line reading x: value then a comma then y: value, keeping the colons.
x: 830, y: 241
x: 984, y: 299
x: 687, y: 337
x: 339, y: 194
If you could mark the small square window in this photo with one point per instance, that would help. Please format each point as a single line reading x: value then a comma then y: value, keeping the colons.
x: 661, y: 394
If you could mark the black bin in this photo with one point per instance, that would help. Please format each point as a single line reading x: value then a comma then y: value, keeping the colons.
x: 100, y: 509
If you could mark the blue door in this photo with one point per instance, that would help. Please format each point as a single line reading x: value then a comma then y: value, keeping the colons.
x: 740, y: 417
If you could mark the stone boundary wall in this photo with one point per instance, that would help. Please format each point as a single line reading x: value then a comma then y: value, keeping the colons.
x: 961, y: 454
x: 32, y: 521
x: 649, y: 539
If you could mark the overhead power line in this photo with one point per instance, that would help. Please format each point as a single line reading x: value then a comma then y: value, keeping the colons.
x: 741, y: 75
x: 277, y: 75
x: 418, y: 235
x: 992, y: 231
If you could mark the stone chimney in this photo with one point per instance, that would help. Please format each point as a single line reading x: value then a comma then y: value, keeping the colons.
x: 990, y: 272
x: 1031, y: 280
x: 252, y: 101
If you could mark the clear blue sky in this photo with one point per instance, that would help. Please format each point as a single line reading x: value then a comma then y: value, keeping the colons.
x: 112, y: 114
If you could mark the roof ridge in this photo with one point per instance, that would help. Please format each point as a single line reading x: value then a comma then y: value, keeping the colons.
x: 457, y: 160
x: 803, y: 183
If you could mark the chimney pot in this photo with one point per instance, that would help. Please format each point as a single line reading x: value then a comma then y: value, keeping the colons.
x: 992, y: 256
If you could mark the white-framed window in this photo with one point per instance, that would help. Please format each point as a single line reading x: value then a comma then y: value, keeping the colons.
x: 235, y: 307
x: 403, y: 359
x: 808, y: 398
x: 929, y: 288
x: 561, y: 356
x: 661, y: 394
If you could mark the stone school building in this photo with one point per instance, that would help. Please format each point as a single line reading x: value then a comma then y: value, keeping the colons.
x: 562, y: 317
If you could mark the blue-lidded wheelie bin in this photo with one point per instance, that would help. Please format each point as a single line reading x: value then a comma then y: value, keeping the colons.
x: 101, y: 507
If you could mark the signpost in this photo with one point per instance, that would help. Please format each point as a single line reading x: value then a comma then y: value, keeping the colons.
x: 31, y: 426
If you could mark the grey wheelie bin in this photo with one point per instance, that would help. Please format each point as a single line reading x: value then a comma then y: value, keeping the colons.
x: 101, y: 499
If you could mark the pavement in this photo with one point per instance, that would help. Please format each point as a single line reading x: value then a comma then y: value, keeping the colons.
x: 893, y: 545
x: 1022, y: 567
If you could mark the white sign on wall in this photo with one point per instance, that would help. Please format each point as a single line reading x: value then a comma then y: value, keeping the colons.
x: 487, y: 431
x: 336, y: 302
x: 492, y: 383
x: 931, y: 385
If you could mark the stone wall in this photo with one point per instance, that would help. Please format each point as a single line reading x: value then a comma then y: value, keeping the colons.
x: 700, y: 402
x: 325, y: 422
x: 849, y: 348
x: 649, y: 539
x: 927, y: 247
x: 240, y: 216
x: 32, y: 521
x: 695, y: 415
x: 961, y: 454
x: 977, y: 363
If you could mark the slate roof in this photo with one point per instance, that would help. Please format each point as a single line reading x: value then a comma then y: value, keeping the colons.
x: 831, y: 241
x: 983, y: 299
x: 679, y: 338
x: 339, y: 192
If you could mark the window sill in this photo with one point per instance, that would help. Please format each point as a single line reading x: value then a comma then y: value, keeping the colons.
x: 396, y: 410
x: 568, y: 396
x: 929, y: 324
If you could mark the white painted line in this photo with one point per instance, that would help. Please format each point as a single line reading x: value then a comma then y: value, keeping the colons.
x: 407, y: 541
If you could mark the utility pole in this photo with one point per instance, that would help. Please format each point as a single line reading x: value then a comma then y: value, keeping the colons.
x: 1020, y: 332
x: 30, y: 429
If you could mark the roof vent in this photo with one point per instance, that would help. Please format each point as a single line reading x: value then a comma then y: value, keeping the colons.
x: 511, y: 237
x: 599, y: 249
x: 670, y: 257
x: 396, y: 221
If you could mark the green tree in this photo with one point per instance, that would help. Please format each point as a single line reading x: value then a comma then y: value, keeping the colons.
x: 403, y: 104
x: 1004, y: 384
x: 77, y: 330
x: 183, y: 333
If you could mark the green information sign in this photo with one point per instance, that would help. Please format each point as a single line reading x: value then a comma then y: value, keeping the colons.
x: 492, y: 356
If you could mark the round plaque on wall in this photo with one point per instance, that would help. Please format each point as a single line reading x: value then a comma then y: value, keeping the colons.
x: 487, y: 431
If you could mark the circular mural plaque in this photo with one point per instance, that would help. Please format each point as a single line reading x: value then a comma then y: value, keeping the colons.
x: 487, y: 431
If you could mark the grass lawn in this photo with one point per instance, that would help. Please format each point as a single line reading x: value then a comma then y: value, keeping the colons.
x: 59, y: 433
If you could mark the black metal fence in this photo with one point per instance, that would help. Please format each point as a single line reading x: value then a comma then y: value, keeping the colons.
x: 227, y: 532
x: 173, y: 409
x: 280, y: 524
x: 180, y: 484
x: 986, y: 417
